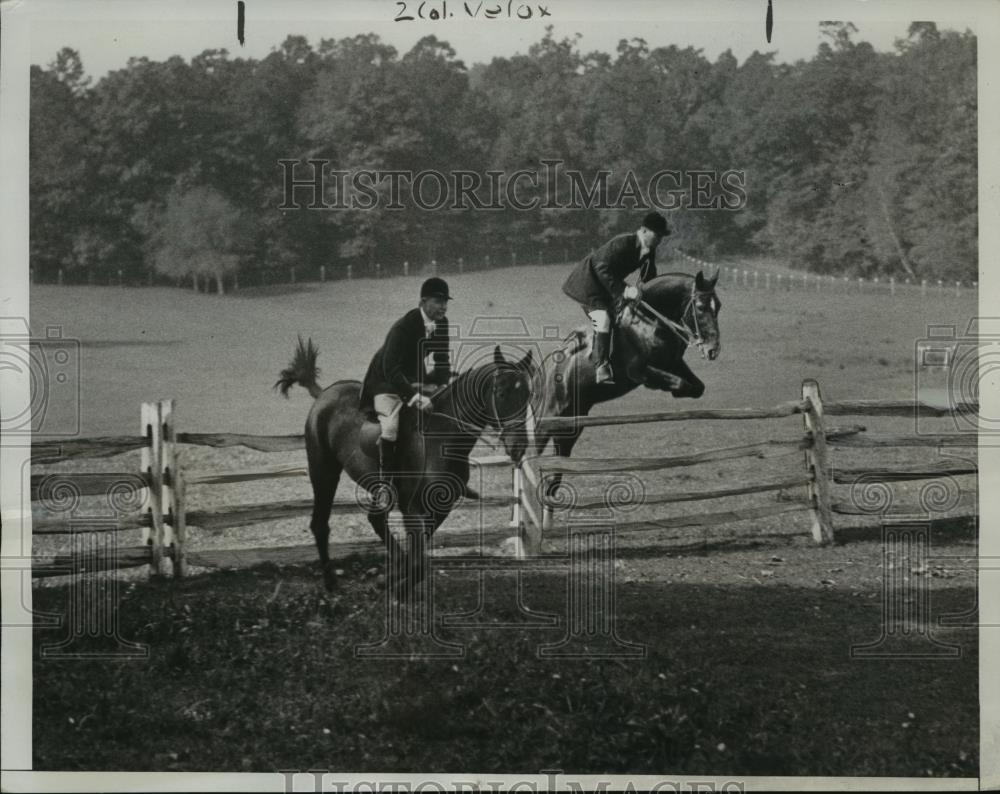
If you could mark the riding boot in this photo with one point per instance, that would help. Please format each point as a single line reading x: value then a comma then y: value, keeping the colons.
x: 382, y: 493
x: 602, y: 355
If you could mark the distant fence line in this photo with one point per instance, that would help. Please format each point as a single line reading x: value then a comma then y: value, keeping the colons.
x: 296, y: 274
x: 755, y: 278
x: 731, y: 276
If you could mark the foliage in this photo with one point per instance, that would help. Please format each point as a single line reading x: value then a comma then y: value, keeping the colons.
x: 856, y: 162
x: 198, y: 233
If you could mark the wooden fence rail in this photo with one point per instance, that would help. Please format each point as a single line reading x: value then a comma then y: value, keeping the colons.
x: 537, y: 504
x: 162, y: 484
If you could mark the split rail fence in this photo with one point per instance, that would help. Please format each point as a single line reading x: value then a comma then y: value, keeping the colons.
x: 154, y: 499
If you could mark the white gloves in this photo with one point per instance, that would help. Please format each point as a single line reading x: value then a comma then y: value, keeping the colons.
x: 422, y: 402
x: 630, y: 293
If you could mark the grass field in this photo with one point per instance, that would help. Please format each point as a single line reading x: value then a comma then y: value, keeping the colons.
x: 748, y: 628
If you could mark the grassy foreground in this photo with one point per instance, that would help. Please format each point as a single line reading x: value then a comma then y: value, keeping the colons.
x: 256, y: 671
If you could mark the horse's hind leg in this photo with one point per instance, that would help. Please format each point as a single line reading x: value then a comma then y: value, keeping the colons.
x: 324, y: 483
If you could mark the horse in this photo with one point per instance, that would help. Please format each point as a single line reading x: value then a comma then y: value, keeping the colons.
x: 651, y: 336
x: 432, y: 451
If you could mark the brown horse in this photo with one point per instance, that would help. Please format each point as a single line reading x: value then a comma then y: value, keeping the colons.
x: 432, y: 451
x: 651, y: 336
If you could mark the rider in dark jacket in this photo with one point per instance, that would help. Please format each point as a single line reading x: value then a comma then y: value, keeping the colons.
x: 598, y: 282
x: 400, y: 363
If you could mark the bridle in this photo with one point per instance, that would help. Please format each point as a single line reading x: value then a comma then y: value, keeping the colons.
x: 686, y: 333
x: 494, y: 422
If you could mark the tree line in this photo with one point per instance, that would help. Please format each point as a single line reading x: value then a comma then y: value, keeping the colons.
x: 854, y: 162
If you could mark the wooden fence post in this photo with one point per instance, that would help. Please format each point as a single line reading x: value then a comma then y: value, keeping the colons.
x: 531, y: 510
x: 169, y: 475
x: 816, y: 464
x: 151, y: 462
x: 516, y: 515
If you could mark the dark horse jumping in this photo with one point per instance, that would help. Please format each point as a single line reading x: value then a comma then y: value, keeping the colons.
x: 433, y: 450
x: 651, y: 336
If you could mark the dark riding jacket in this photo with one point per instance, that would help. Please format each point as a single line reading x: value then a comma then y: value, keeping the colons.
x: 400, y: 361
x: 599, y: 280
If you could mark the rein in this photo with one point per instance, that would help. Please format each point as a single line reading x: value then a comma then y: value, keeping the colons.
x: 686, y: 334
x: 461, y: 422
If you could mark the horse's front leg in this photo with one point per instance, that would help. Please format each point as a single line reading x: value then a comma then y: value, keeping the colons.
x: 682, y: 383
x: 418, y: 533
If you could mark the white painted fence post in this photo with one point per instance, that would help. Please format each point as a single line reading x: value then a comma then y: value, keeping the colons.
x: 532, y: 508
x: 151, y: 461
x: 171, y: 504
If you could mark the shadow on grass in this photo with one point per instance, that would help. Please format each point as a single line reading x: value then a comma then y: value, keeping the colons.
x: 276, y: 290
x: 258, y: 671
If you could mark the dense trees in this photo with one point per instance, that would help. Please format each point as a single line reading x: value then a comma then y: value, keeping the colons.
x: 855, y: 161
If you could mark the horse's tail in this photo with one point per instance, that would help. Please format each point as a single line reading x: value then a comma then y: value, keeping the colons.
x: 302, y: 371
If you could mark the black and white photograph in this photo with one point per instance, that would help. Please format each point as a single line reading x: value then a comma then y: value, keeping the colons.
x: 511, y: 395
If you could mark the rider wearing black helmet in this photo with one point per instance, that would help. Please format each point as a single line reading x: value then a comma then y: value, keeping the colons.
x: 399, y: 364
x: 598, y: 282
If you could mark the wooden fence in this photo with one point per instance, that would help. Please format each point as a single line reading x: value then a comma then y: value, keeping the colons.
x: 756, y: 278
x: 538, y: 496
x: 157, y: 493
x: 156, y: 500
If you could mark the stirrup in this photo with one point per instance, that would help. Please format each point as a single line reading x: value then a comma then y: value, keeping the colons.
x: 604, y: 373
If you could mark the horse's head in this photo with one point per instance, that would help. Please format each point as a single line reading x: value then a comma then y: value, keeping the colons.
x: 510, y: 397
x: 677, y: 307
x: 702, y: 315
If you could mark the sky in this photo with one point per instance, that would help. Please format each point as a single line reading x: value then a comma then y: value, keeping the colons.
x: 108, y: 33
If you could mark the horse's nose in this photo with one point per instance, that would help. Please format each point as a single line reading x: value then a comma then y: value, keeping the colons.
x: 713, y: 353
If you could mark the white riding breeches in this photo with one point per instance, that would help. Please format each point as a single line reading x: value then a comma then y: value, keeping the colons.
x: 387, y: 408
x: 601, y: 320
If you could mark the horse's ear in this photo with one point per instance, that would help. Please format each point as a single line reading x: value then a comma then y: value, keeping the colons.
x: 699, y: 282
x: 527, y: 363
x: 497, y: 355
x: 714, y: 279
